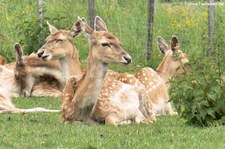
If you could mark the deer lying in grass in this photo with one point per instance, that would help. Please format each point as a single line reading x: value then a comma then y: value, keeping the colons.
x: 117, y: 102
x: 155, y: 83
x: 48, y: 84
x: 174, y: 60
x: 21, y: 81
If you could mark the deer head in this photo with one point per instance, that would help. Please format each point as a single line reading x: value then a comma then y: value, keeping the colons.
x: 59, y: 46
x: 174, y: 59
x: 105, y: 46
x: 59, y: 43
x: 79, y: 100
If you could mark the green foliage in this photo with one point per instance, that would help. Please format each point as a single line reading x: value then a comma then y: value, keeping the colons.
x: 199, y: 95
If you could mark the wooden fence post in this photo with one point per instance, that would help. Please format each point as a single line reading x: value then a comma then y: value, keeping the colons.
x: 91, y: 8
x: 39, y: 10
x: 40, y: 19
x: 211, y: 27
x: 150, y: 28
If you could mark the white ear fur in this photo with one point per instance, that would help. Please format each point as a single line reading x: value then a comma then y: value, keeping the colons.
x: 99, y: 24
x: 163, y: 46
x: 85, y: 28
x: 52, y: 29
x: 76, y: 29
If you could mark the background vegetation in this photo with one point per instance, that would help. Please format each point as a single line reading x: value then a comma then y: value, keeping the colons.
x: 127, y: 20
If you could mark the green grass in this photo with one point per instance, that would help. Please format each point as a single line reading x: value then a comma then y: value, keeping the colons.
x: 46, y: 130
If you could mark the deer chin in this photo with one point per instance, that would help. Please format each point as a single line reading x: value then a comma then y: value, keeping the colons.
x: 46, y: 57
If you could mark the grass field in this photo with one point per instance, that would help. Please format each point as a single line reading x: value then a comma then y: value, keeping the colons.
x: 46, y: 130
x: 127, y: 20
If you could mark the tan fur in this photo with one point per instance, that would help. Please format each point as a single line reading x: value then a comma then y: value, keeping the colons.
x: 80, y: 95
x: 119, y: 102
x: 148, y: 82
x: 173, y: 63
x: 156, y: 89
x: 19, y: 82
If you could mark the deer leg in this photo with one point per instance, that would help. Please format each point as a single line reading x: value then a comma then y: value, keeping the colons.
x: 113, y: 119
x: 169, y: 109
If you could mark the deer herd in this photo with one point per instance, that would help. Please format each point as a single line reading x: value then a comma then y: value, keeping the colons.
x: 96, y: 95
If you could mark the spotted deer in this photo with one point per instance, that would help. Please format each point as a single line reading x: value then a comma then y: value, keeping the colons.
x: 173, y: 63
x: 96, y: 94
x: 20, y: 81
x: 156, y: 84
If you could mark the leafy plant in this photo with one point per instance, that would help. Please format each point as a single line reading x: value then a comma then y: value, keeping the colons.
x: 199, y: 96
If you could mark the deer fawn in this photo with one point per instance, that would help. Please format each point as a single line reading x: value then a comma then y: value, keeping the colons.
x: 155, y: 83
x: 174, y: 60
x: 20, y: 82
x: 117, y: 102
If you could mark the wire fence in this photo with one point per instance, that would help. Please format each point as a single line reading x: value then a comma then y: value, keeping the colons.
x: 186, y: 19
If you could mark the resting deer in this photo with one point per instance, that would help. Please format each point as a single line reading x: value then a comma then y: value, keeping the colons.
x: 155, y: 83
x: 174, y: 60
x: 20, y: 82
x: 80, y: 95
x: 48, y: 84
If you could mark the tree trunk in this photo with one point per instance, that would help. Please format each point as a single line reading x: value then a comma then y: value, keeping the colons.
x: 211, y: 28
x: 150, y: 28
x: 91, y: 8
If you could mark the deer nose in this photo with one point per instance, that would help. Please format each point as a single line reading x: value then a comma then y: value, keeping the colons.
x: 128, y: 59
x: 40, y: 54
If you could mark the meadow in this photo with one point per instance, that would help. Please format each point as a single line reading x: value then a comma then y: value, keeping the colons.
x: 46, y: 130
x: 128, y: 21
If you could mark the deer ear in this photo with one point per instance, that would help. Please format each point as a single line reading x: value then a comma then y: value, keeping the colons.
x: 76, y: 29
x: 85, y: 28
x: 174, y: 44
x: 163, y: 47
x: 52, y: 29
x: 19, y: 54
x: 99, y: 24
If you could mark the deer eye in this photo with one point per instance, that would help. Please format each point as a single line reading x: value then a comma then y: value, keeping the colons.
x: 58, y: 40
x: 106, y: 45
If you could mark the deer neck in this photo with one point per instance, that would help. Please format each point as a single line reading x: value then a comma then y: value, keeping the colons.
x: 71, y: 65
x: 88, y: 90
x: 164, y: 71
x: 93, y: 79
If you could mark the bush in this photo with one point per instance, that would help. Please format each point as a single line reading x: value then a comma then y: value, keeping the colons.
x: 199, y: 96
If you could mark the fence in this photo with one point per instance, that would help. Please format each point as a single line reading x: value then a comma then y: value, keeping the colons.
x: 188, y: 20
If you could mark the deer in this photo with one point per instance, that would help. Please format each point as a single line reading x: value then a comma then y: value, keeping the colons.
x: 44, y: 84
x: 157, y: 82
x: 174, y: 61
x: 20, y: 81
x: 95, y: 95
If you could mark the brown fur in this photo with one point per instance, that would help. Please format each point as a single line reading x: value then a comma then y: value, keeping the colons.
x: 2, y: 60
x: 20, y: 81
x: 173, y: 63
x: 78, y: 97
